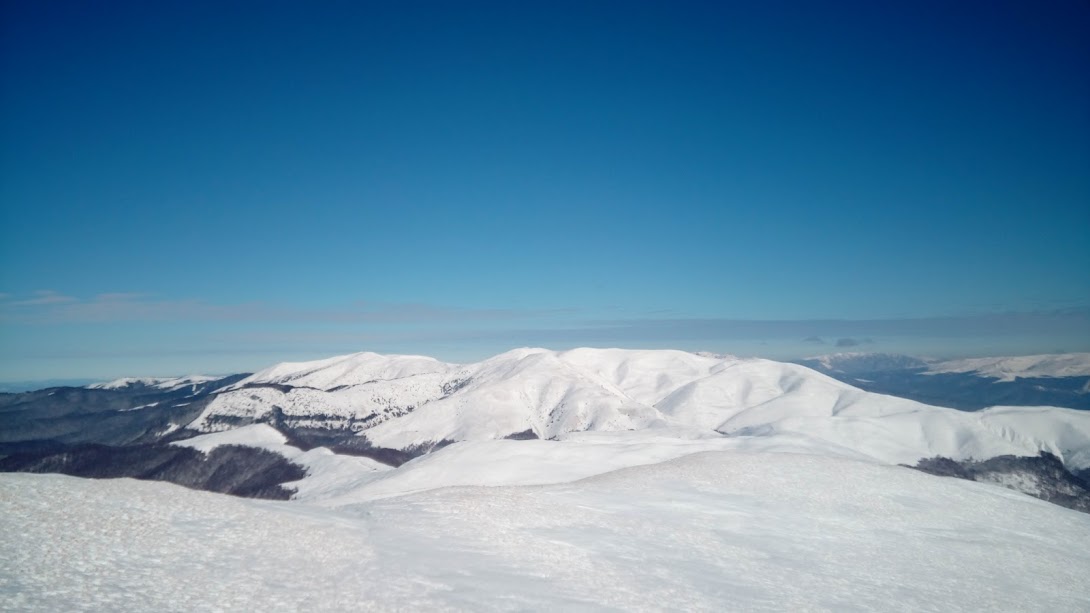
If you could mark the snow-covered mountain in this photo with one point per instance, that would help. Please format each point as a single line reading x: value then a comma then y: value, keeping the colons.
x: 582, y: 479
x: 315, y: 416
x: 413, y: 403
x: 1001, y: 368
x: 163, y: 383
x: 346, y: 371
x: 1020, y: 367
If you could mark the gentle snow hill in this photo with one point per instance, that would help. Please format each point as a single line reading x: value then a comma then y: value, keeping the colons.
x: 906, y: 437
x: 576, y: 456
x: 549, y: 395
x: 707, y: 532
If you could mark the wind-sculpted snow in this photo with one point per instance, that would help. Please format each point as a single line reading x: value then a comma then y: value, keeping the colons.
x: 713, y: 531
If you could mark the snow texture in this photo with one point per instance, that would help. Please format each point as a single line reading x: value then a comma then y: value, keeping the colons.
x: 710, y: 531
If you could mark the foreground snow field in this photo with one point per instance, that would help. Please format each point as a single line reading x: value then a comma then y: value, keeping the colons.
x: 717, y: 530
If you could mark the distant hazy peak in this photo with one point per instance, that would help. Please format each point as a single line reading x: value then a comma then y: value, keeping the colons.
x: 165, y: 383
x: 859, y: 362
x: 1011, y: 368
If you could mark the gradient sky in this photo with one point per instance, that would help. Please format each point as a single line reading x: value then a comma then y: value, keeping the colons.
x: 216, y: 186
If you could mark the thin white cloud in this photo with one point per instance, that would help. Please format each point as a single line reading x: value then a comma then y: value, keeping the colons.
x: 47, y: 307
x: 39, y: 298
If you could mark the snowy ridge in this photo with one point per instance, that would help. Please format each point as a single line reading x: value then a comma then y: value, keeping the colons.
x: 552, y: 395
x: 1009, y: 369
x: 348, y: 370
x: 1002, y: 368
x: 163, y: 383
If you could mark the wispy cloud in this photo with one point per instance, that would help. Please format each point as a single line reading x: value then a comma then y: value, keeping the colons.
x: 1065, y: 321
x: 1074, y: 323
x: 424, y: 328
x: 43, y: 297
x: 47, y: 307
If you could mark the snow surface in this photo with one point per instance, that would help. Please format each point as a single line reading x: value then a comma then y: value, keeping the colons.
x: 711, y: 531
x: 577, y: 456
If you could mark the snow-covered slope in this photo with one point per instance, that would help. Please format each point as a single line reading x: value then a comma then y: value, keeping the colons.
x: 544, y: 392
x: 1009, y: 369
x: 347, y: 370
x: 409, y: 402
x: 163, y: 383
x: 708, y: 532
x: 327, y: 473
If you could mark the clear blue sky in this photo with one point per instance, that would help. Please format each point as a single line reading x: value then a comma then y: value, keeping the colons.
x: 215, y: 186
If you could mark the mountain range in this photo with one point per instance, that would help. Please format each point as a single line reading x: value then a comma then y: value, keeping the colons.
x: 538, y: 479
x: 251, y: 434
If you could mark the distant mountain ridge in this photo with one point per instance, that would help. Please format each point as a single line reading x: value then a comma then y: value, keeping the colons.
x: 967, y: 384
x: 1007, y: 368
x: 165, y: 383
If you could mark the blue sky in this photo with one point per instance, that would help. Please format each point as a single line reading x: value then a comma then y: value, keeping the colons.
x: 191, y: 186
